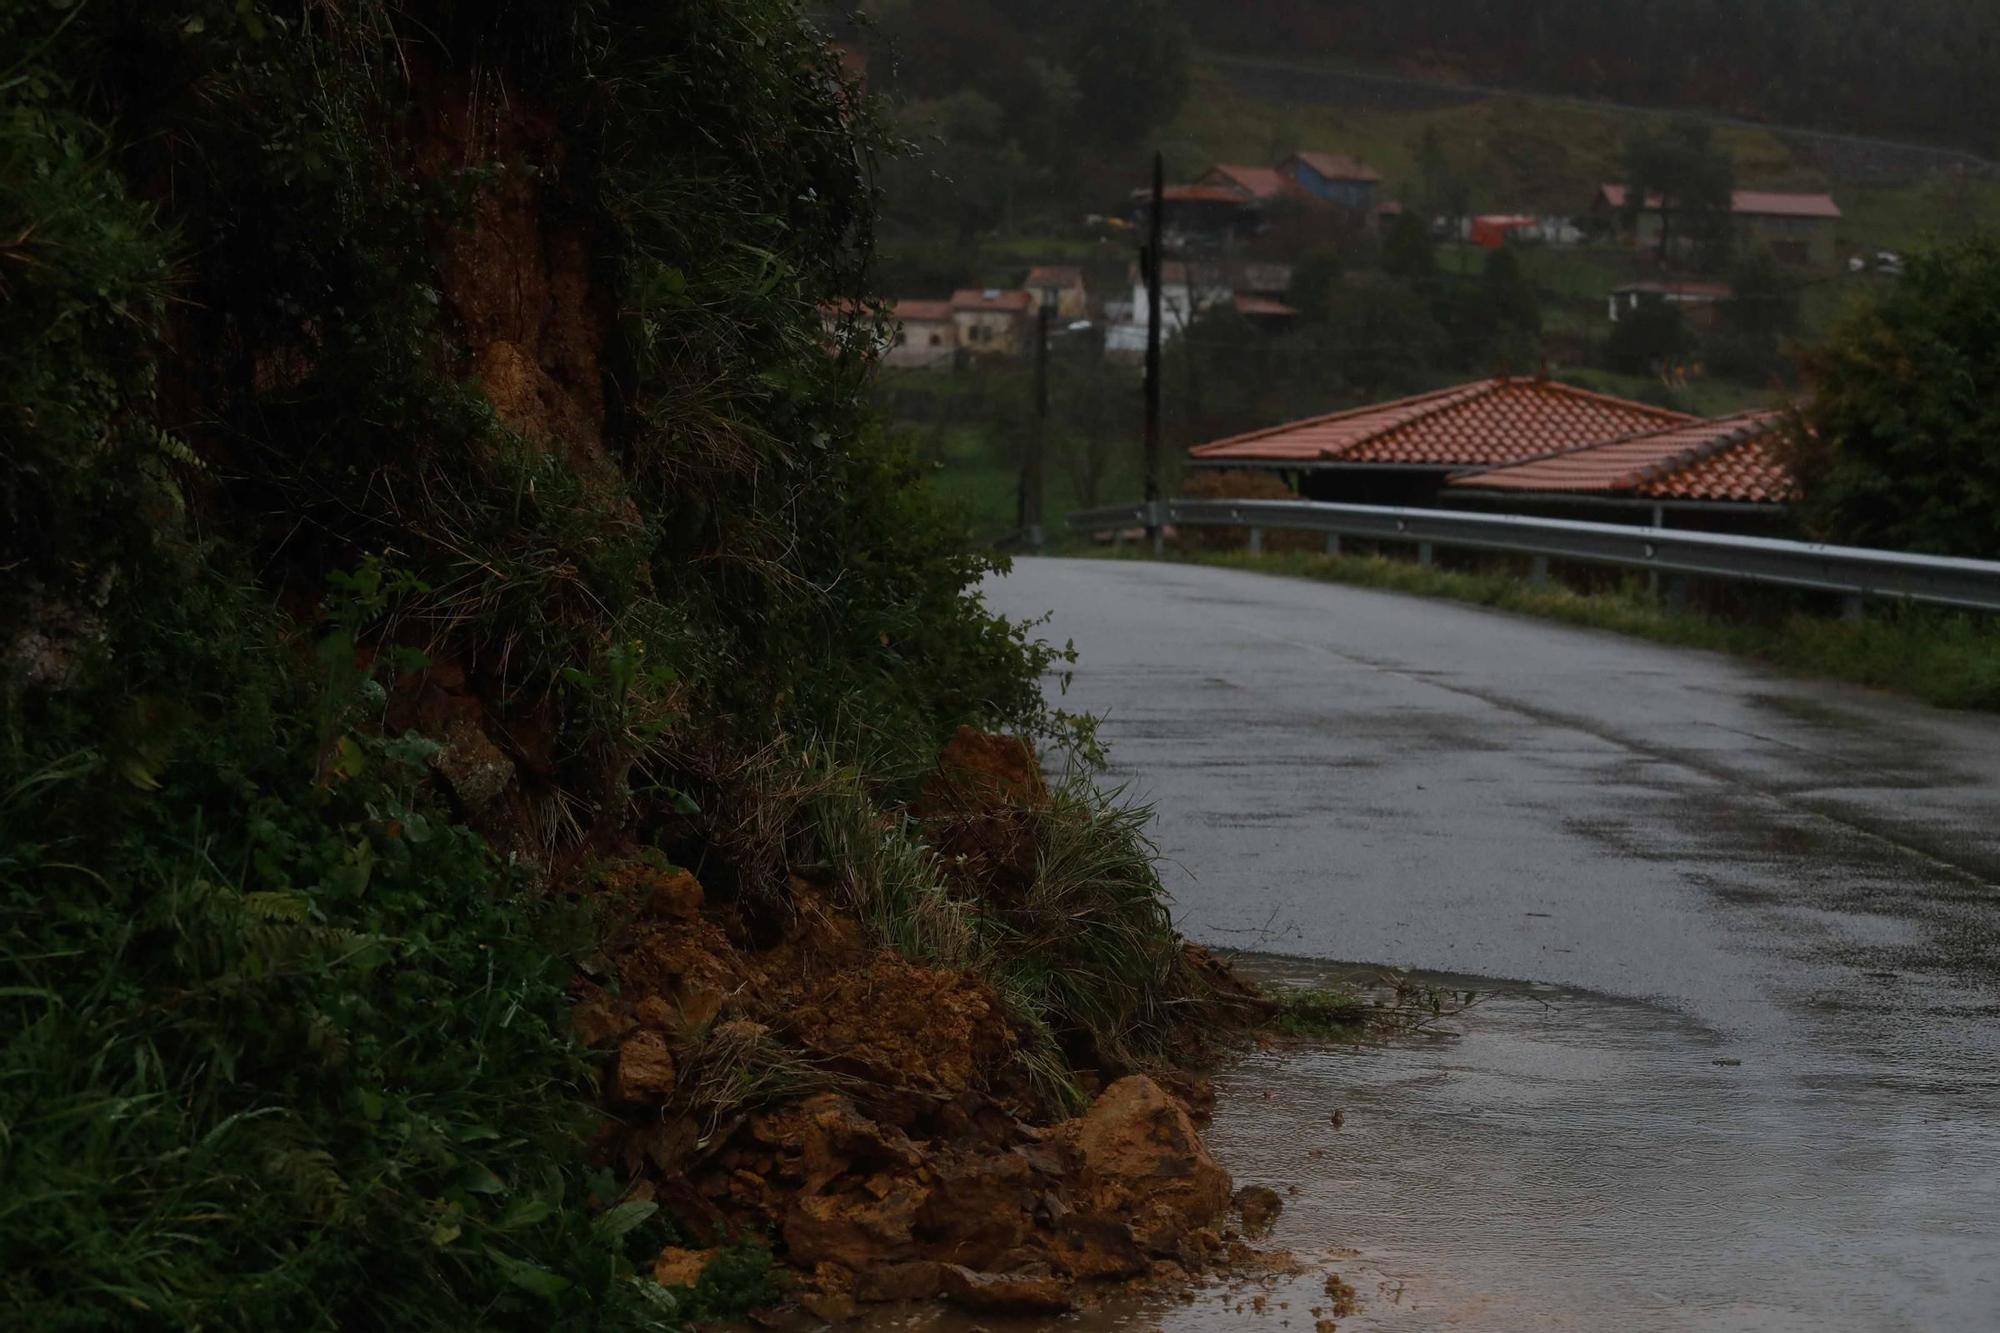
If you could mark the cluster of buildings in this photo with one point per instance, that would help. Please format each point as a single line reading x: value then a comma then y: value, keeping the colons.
x: 1227, y: 201
x: 1335, y: 194
x: 978, y: 323
x: 1531, y: 444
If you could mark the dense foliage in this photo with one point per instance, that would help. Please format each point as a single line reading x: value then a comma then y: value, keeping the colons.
x: 1909, y: 68
x: 372, y: 375
x: 1013, y: 112
x: 1898, y: 448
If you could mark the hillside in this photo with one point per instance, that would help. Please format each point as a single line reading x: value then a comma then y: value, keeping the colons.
x: 1914, y: 70
x: 490, y: 724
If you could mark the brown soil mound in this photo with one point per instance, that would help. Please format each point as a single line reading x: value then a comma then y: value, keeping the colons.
x: 982, y: 810
x: 870, y: 1112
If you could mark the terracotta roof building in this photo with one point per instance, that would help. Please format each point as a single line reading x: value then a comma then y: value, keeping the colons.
x: 1259, y: 183
x: 1748, y: 203
x: 1401, y: 452
x: 925, y: 335
x: 1060, y: 288
x: 1333, y: 177
x: 991, y: 321
x: 1733, y: 460
x: 1798, y: 227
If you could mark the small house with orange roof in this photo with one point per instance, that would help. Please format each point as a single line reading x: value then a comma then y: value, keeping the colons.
x: 1059, y: 288
x: 1262, y: 184
x: 1799, y: 227
x: 1403, y: 452
x: 925, y: 336
x: 992, y: 321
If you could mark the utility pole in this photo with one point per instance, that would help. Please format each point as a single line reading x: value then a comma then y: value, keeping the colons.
x: 1154, y: 271
x: 1031, y: 466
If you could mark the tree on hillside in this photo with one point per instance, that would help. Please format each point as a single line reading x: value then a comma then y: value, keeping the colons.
x: 1315, y: 285
x: 1898, y: 442
x: 1648, y: 337
x: 1130, y: 59
x: 1761, y: 312
x: 1441, y: 192
x: 1516, y: 313
x: 1407, y: 251
x: 1692, y: 179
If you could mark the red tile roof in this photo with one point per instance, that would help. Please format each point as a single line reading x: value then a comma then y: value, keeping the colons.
x: 1757, y: 203
x: 1194, y: 194
x: 1262, y: 305
x: 991, y: 298
x: 1469, y: 425
x: 1731, y: 458
x: 1054, y: 275
x: 936, y: 311
x: 1338, y: 166
x: 1257, y: 182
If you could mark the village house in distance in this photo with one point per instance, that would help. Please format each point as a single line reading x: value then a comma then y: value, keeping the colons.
x: 1797, y: 228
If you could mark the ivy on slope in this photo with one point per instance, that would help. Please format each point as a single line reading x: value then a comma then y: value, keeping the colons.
x: 282, y: 1035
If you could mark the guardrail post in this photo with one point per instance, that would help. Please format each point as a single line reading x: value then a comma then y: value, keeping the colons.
x: 1538, y: 569
x: 1423, y: 553
x: 1851, y: 607
x: 1333, y: 543
x: 1256, y: 541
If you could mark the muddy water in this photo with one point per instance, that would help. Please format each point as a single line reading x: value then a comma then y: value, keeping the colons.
x: 1568, y: 1161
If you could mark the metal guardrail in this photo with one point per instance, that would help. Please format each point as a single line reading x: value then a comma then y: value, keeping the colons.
x: 1851, y: 571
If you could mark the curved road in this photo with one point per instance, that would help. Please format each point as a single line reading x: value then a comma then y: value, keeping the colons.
x: 1798, y: 883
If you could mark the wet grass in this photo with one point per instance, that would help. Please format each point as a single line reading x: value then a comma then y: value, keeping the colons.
x: 1946, y: 658
x: 1322, y: 1013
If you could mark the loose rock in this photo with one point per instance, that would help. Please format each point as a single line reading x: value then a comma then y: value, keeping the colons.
x: 1006, y: 1293
x: 1259, y: 1206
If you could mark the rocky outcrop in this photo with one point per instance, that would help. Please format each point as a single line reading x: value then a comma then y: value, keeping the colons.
x: 1143, y: 1164
x: 872, y: 1112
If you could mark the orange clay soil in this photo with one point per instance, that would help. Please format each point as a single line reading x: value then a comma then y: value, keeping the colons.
x: 869, y: 1114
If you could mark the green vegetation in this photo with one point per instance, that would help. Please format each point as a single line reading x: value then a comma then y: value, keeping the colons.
x: 1898, y: 446
x: 1950, y: 659
x: 1323, y: 1013
x: 1083, y: 953
x: 1820, y: 63
x: 1505, y: 153
x: 424, y: 480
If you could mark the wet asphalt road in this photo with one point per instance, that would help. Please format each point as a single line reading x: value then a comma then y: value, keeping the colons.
x: 1783, y: 894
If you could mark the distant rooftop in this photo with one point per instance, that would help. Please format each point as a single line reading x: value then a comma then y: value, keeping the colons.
x: 1338, y: 166
x: 1258, y: 182
x: 992, y: 298
x: 1731, y: 459
x: 1054, y: 275
x: 935, y: 311
x: 1748, y: 203
x: 1487, y: 422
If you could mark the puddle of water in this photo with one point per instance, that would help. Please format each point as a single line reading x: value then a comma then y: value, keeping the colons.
x: 1579, y: 1163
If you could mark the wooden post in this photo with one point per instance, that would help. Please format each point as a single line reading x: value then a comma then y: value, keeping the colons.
x: 1031, y: 465
x: 1154, y: 271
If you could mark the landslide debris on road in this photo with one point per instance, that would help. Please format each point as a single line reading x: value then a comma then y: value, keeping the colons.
x: 891, y: 1121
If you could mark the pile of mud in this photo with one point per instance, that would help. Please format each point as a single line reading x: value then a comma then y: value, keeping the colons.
x: 869, y: 1113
